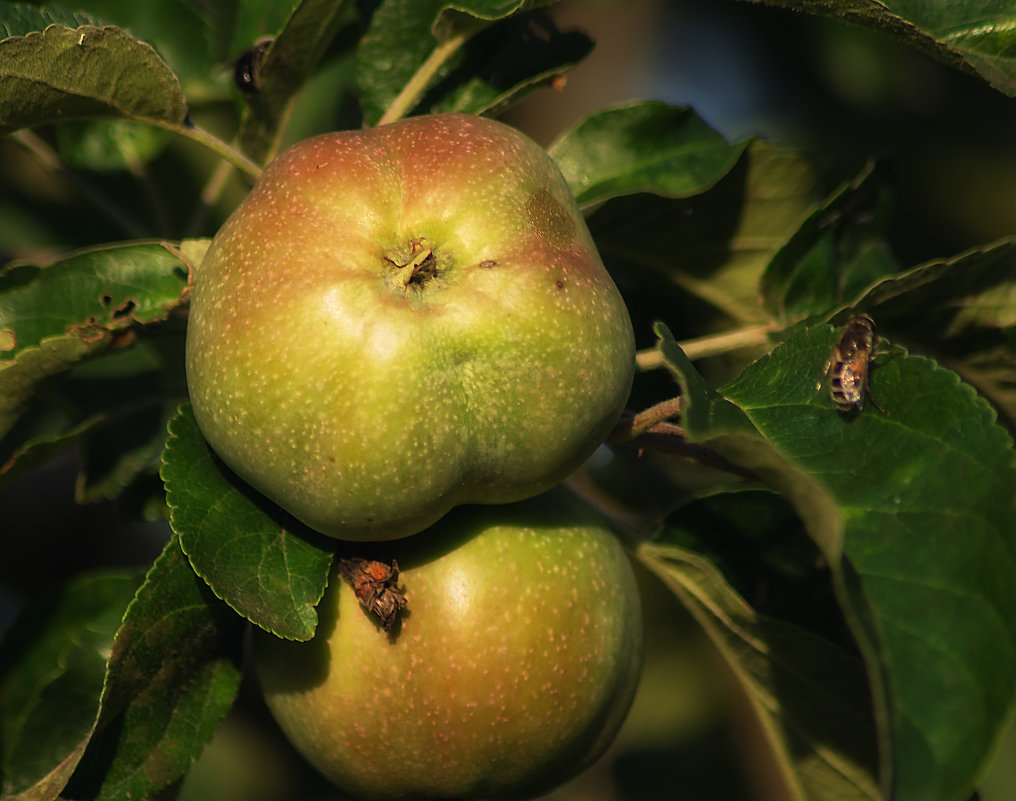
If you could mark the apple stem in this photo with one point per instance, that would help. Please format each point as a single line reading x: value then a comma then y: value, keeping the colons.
x: 417, y: 85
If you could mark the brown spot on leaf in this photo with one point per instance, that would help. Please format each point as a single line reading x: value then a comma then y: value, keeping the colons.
x: 8, y: 339
x: 124, y: 338
x: 89, y: 331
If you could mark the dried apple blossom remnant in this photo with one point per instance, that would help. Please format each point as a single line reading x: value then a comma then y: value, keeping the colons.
x: 376, y: 587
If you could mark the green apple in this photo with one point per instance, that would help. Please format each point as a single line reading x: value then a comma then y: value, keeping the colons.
x: 509, y: 671
x: 402, y: 319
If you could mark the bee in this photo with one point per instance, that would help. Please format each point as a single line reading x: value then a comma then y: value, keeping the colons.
x: 847, y: 367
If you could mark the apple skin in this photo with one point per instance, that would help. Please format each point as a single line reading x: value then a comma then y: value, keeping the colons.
x: 509, y: 672
x: 402, y: 319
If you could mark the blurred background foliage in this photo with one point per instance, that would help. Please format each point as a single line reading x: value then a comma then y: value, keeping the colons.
x: 842, y: 94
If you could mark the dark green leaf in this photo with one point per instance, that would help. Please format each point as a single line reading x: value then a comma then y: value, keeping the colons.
x: 115, y: 407
x: 948, y: 297
x: 54, y: 316
x: 265, y: 565
x: 235, y: 26
x: 810, y: 694
x: 286, y: 65
x: 708, y: 417
x: 962, y: 308
x: 925, y: 495
x: 716, y: 245
x: 51, y: 675
x: 103, y: 145
x: 173, y: 673
x: 404, y: 33
x: 504, y: 62
x: 179, y: 32
x: 972, y: 36
x: 87, y: 72
x: 838, y: 252
x: 645, y: 147
x: 18, y: 19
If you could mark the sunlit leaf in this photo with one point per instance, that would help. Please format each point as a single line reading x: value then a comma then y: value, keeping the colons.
x: 645, y: 147
x: 264, y: 564
x: 713, y: 246
x: 924, y: 497
x: 54, y: 316
x: 404, y: 33
x: 972, y: 36
x: 67, y: 73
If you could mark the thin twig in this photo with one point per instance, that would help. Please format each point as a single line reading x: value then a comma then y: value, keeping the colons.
x: 701, y: 347
x: 632, y: 426
x: 417, y: 85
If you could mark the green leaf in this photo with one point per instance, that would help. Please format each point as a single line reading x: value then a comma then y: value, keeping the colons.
x: 67, y: 73
x: 504, y: 62
x: 179, y: 31
x: 235, y: 26
x: 715, y: 245
x: 925, y: 494
x: 710, y: 418
x: 973, y: 36
x: 287, y: 64
x: 644, y: 147
x: 115, y: 408
x: 810, y: 694
x: 403, y: 34
x: 174, y: 671
x: 962, y: 308
x: 261, y: 562
x: 106, y: 145
x: 51, y: 674
x: 54, y: 316
x: 116, y: 717
x: 837, y: 253
x: 18, y: 19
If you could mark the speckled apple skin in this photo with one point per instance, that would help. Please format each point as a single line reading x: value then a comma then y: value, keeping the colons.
x: 368, y: 408
x: 511, y: 670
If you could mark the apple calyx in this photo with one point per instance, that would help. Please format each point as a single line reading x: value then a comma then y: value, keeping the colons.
x: 417, y: 265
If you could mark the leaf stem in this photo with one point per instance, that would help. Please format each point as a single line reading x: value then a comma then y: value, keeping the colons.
x: 417, y: 85
x: 224, y: 149
x: 639, y: 423
x: 700, y: 347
